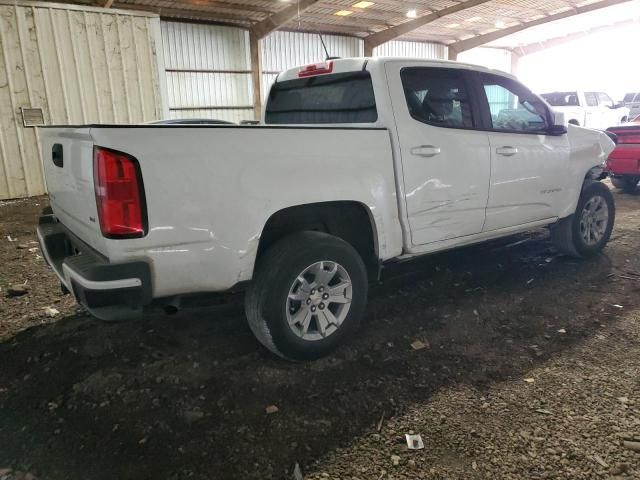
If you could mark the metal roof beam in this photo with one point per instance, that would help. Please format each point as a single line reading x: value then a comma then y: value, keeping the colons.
x: 473, y: 42
x: 278, y: 19
x: 523, y: 50
x: 389, y: 34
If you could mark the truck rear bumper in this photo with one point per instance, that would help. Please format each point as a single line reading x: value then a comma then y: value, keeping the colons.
x: 109, y: 291
x: 624, y: 160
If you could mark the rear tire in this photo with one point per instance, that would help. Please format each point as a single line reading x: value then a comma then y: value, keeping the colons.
x: 587, y: 231
x: 307, y: 296
x: 627, y: 184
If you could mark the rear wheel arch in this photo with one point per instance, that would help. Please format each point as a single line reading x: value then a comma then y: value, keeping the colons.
x: 350, y: 221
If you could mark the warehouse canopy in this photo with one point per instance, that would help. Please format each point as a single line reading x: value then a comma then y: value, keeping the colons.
x: 459, y: 24
x: 558, y: 32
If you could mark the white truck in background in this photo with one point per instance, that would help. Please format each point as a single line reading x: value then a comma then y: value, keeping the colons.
x: 588, y: 109
x: 356, y: 162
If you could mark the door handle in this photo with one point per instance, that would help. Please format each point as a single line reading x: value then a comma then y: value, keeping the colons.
x: 425, y: 151
x: 507, y: 151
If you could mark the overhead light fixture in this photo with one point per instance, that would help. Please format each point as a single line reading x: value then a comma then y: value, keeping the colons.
x: 499, y: 24
x: 412, y: 13
x: 453, y: 25
x: 363, y: 4
x: 473, y: 19
x: 343, y: 13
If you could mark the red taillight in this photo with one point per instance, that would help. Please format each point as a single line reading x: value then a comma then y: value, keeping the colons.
x: 629, y: 138
x: 315, y: 69
x: 119, y: 194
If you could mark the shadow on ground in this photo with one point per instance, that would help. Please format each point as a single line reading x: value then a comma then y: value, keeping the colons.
x: 185, y: 396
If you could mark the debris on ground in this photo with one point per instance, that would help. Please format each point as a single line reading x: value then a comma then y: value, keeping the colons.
x: 297, y: 472
x: 414, y: 442
x: 78, y: 393
x: 17, y: 290
x: 380, y: 422
x: 271, y: 409
x: 600, y: 461
x: 51, y: 312
x: 631, y: 445
x: 419, y: 345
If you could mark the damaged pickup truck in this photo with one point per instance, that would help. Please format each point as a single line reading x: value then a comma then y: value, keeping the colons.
x: 356, y: 162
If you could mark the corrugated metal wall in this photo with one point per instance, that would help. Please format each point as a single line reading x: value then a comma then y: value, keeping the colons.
x: 283, y: 50
x: 208, y: 71
x: 398, y: 48
x: 79, y: 65
x: 208, y: 67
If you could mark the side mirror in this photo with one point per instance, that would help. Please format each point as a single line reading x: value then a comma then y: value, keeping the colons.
x: 559, y: 126
x: 557, y: 130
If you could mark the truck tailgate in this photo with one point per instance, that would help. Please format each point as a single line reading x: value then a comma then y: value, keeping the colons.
x: 68, y: 164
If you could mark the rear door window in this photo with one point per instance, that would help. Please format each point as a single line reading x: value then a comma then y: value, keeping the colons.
x: 437, y: 96
x: 334, y: 98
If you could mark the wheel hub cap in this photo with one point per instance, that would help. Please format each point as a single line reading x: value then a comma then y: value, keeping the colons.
x: 319, y: 300
x: 594, y: 220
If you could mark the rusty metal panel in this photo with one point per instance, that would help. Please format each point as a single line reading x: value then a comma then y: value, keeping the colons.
x: 79, y: 65
x: 400, y: 48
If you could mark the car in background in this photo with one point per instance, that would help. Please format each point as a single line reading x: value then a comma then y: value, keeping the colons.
x: 623, y: 164
x: 632, y: 101
x: 588, y: 109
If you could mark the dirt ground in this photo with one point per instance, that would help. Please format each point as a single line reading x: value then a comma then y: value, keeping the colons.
x: 530, y: 369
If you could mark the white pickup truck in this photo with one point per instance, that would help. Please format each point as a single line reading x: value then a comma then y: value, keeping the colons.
x: 588, y: 109
x: 356, y: 162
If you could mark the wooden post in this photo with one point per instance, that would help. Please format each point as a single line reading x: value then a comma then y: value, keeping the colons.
x: 368, y: 49
x: 256, y: 73
x: 515, y: 63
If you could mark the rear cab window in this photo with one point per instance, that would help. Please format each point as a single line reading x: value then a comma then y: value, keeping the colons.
x: 331, y: 98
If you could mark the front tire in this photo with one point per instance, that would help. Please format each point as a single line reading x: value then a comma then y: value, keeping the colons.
x: 307, y: 296
x: 587, y: 231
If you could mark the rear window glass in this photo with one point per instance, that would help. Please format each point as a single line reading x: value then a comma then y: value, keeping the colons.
x: 561, y: 99
x: 336, y: 98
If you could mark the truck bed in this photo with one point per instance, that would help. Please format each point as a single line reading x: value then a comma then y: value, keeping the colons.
x: 209, y: 190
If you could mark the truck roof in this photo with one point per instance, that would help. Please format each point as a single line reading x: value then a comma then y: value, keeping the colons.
x: 340, y: 65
